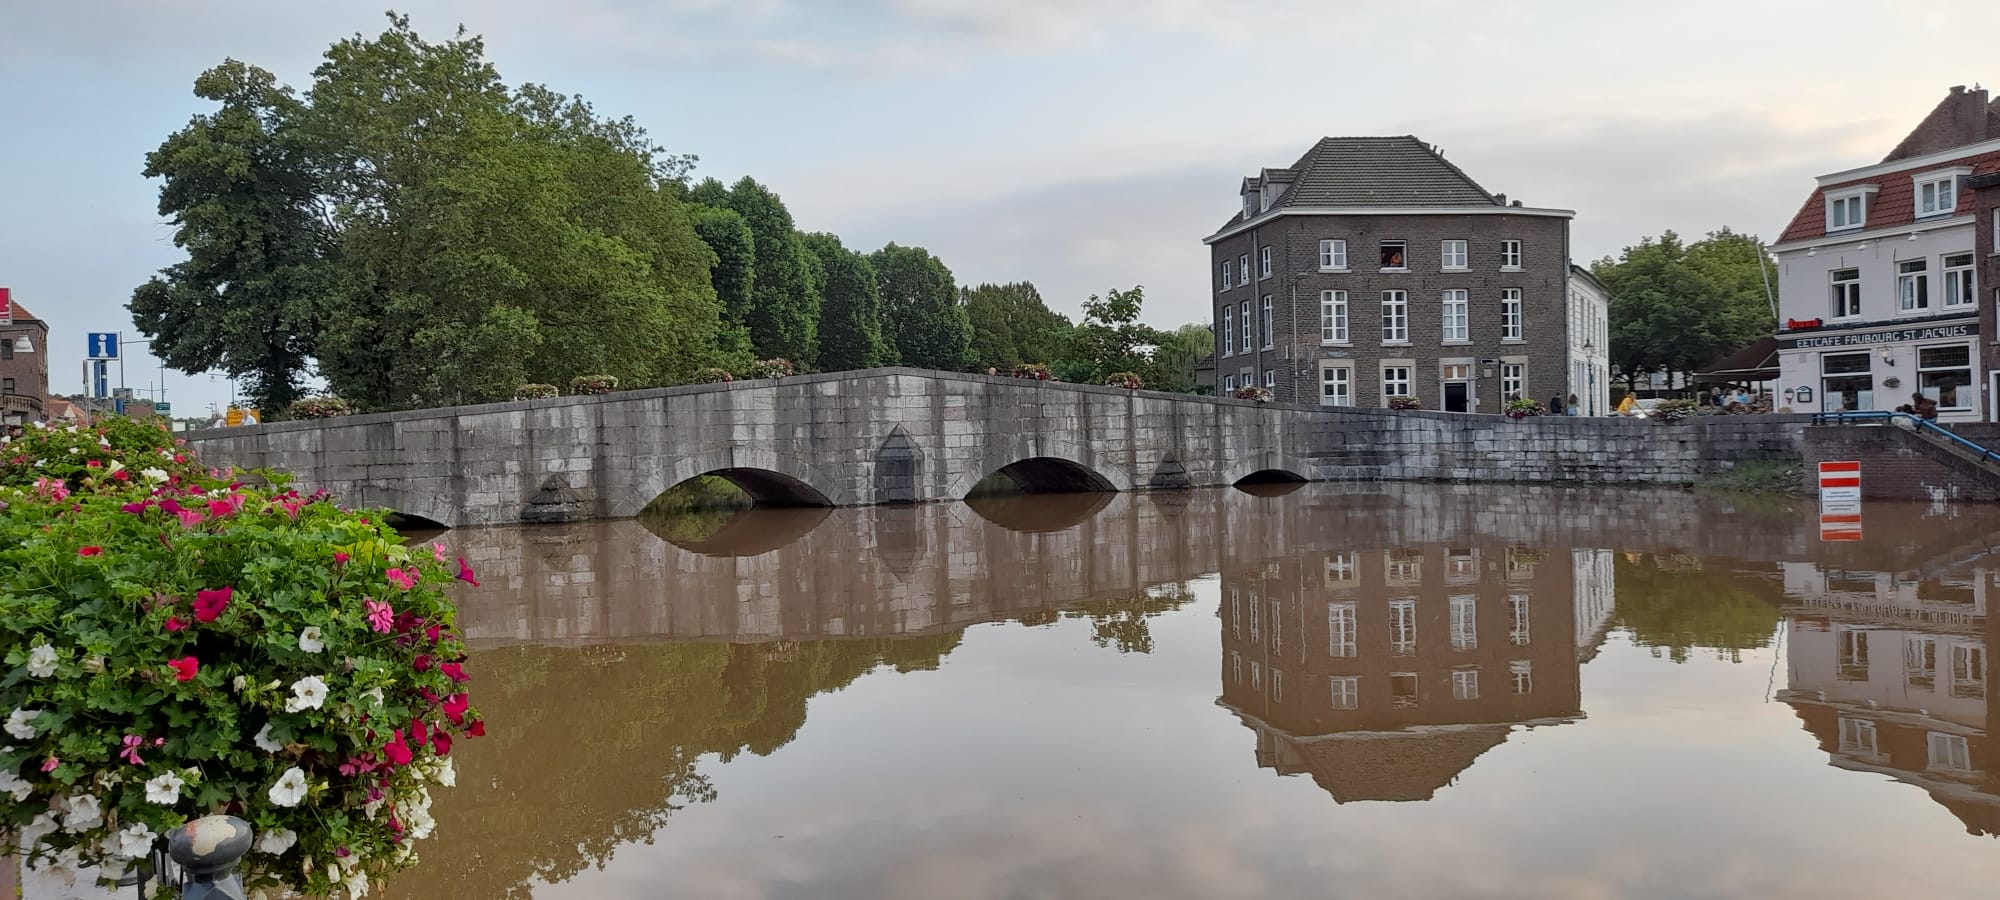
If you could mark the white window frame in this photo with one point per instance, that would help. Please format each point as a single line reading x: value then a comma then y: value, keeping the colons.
x: 1277, y: 626
x: 1515, y: 374
x: 1845, y: 293
x: 1523, y: 671
x: 1403, y: 627
x: 1395, y: 317
x: 1968, y: 670
x: 1947, y: 752
x: 1247, y: 325
x: 1913, y: 285
x: 1333, y: 255
x: 1229, y: 330
x: 1342, y: 379
x: 1929, y: 190
x: 1510, y: 256
x: 1405, y: 379
x: 1961, y: 288
x: 1264, y: 263
x: 1270, y: 378
x: 1243, y: 268
x: 1333, y: 318
x: 1520, y: 620
x: 1456, y: 257
x: 1341, y: 630
x: 1465, y: 684
x: 1858, y: 736
x: 1962, y: 400
x: 1405, y: 245
x: 1457, y: 316
x: 1464, y: 623
x: 1847, y: 208
x: 1343, y: 691
x: 1513, y: 325
x: 1228, y: 276
x: 1269, y: 324
x: 1229, y: 383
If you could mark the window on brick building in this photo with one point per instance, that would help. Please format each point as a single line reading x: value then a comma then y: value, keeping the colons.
x: 6, y: 385
x: 1395, y: 382
x: 1264, y: 263
x: 1228, y: 276
x: 1456, y: 316
x: 1395, y: 256
x: 1958, y: 280
x: 1510, y: 380
x: 1454, y: 254
x: 1846, y: 293
x: 1268, y: 327
x: 1333, y: 317
x: 1510, y: 254
x: 6, y: 348
x: 1395, y: 317
x: 1510, y: 314
x: 1937, y: 196
x: 1333, y: 254
x: 1944, y: 374
x: 1245, y: 310
x: 1270, y: 378
x: 1913, y: 285
x: 1228, y: 329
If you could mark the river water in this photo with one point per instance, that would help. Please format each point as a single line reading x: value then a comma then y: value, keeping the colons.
x: 1379, y: 691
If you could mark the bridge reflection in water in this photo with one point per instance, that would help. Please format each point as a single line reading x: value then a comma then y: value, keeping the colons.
x: 1375, y: 640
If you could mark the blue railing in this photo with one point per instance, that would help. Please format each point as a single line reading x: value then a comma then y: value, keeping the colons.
x: 1917, y: 424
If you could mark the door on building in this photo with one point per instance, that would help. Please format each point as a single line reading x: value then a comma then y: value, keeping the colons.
x: 1457, y: 387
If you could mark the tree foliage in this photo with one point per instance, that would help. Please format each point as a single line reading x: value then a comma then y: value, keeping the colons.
x: 783, y: 316
x: 1676, y: 306
x: 1012, y: 326
x: 1180, y: 351
x: 921, y: 316
x: 850, y: 312
x: 1112, y: 339
x: 734, y: 277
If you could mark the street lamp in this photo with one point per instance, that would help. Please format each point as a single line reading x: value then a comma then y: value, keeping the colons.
x: 1590, y: 367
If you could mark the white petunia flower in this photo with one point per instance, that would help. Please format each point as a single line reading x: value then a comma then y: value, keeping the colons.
x: 418, y: 820
x: 309, y: 639
x: 291, y: 787
x: 134, y: 841
x: 155, y: 476
x: 115, y: 468
x: 447, y: 774
x: 357, y: 884
x: 63, y: 866
x: 12, y: 783
x: 22, y: 723
x: 43, y: 826
x: 307, y: 693
x: 277, y: 841
x: 375, y: 694
x: 82, y: 812
x: 164, y: 789
x: 42, y: 661
x: 264, y: 742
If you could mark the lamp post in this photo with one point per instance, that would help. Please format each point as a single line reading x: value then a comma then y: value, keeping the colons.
x: 1590, y: 366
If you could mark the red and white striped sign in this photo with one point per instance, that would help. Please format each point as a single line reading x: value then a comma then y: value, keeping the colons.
x: 1840, y: 482
x: 6, y: 306
x: 1840, y: 526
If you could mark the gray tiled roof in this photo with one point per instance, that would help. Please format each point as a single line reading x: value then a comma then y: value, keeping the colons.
x: 1376, y: 171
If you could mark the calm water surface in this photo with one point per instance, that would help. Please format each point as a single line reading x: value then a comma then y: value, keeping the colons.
x: 1382, y: 692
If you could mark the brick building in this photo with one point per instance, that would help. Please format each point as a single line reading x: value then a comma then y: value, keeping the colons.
x: 1373, y: 268
x: 1878, y: 275
x: 24, y: 365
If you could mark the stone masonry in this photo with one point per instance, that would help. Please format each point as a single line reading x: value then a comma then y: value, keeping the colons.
x: 904, y: 435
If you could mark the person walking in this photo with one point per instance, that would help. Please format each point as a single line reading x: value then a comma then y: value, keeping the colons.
x: 1556, y: 405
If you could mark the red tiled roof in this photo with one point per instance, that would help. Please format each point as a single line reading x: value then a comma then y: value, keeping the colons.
x: 21, y: 313
x: 1894, y: 205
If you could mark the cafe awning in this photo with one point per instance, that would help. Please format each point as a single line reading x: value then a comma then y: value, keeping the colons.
x: 1757, y: 362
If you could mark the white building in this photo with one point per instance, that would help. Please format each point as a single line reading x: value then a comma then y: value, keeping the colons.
x: 1876, y: 292
x: 1589, y: 343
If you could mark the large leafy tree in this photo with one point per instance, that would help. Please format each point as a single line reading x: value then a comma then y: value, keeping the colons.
x: 921, y: 315
x: 1011, y: 325
x: 1676, y: 306
x: 783, y: 316
x: 1112, y: 339
x: 243, y: 190
x: 1180, y: 351
x: 734, y: 275
x: 850, y: 312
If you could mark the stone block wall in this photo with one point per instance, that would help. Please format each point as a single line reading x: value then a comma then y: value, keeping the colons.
x: 1897, y: 465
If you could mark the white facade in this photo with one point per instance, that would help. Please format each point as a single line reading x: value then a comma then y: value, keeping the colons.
x: 1589, y: 351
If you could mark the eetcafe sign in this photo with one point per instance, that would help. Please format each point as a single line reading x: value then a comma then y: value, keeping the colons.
x: 1869, y: 339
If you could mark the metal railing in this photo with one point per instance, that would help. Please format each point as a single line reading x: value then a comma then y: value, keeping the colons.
x: 1915, y: 422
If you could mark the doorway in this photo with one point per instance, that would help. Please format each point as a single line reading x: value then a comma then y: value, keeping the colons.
x: 1454, y: 396
x: 1457, y: 379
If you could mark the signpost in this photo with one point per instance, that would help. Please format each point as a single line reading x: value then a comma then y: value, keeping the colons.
x: 1840, y: 500
x: 6, y: 306
x: 103, y: 345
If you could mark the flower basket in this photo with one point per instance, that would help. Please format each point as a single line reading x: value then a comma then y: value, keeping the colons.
x: 190, y: 645
x: 1405, y: 403
x: 1523, y: 408
x: 319, y: 408
x: 536, y: 392
x: 1127, y: 380
x: 592, y: 385
x: 712, y: 376
x: 1036, y: 371
x: 1670, y: 411
x: 1254, y: 394
x: 769, y: 368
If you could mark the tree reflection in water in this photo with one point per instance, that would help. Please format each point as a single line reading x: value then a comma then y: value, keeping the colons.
x: 1676, y: 603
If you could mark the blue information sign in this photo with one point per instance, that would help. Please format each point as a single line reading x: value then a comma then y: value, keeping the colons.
x: 103, y: 345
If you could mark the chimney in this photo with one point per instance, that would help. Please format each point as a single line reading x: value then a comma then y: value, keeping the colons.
x: 1499, y: 199
x: 1517, y: 203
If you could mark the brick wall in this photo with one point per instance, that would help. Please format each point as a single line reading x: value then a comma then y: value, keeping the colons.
x: 1896, y: 465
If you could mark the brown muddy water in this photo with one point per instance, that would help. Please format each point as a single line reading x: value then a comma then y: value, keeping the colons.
x: 1402, y: 691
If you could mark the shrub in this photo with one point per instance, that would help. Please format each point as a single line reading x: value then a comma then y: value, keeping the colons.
x: 320, y: 408
x: 1127, y: 380
x: 536, y: 392
x: 1036, y: 371
x: 1673, y: 410
x: 591, y: 385
x: 1405, y: 403
x: 1524, y: 407
x: 179, y: 644
x: 1261, y: 395
x: 712, y: 376
x: 769, y: 368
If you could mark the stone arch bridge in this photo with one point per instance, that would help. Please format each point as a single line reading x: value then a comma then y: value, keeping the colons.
x: 901, y: 435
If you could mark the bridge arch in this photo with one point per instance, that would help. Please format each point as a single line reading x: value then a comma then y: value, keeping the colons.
x: 771, y: 479
x: 1265, y: 467
x: 415, y: 507
x: 1045, y: 466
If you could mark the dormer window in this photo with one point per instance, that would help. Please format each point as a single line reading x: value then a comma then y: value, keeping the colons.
x: 1249, y: 205
x: 1937, y: 192
x: 1847, y: 208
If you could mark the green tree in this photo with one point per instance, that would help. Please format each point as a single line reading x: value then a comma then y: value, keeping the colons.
x: 850, y: 312
x: 783, y: 317
x: 921, y: 315
x: 1676, y: 306
x: 1672, y: 605
x: 1011, y: 325
x: 734, y: 275
x: 1112, y: 339
x: 243, y: 191
x: 1180, y: 351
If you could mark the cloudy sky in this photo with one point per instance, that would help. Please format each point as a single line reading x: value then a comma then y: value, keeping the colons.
x: 1078, y: 144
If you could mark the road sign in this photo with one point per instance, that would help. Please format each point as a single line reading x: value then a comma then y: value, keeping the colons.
x: 163, y: 407
x: 103, y: 345
x: 1840, y: 482
x: 233, y: 418
x: 6, y: 306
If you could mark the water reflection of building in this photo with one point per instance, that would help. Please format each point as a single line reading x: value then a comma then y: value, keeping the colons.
x: 1889, y: 672
x: 1383, y: 673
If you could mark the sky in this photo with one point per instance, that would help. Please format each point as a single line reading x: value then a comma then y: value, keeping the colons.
x: 1082, y: 145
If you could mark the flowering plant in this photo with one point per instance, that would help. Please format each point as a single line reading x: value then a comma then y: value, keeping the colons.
x: 1405, y: 403
x: 1525, y: 407
x: 712, y: 376
x: 1673, y: 410
x: 586, y: 385
x: 1261, y: 395
x: 179, y: 644
x: 536, y: 392
x: 769, y: 368
x: 319, y: 408
x: 1036, y: 371
x: 1127, y: 380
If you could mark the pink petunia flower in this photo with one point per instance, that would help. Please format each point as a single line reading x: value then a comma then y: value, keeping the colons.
x: 50, y: 764
x: 405, y: 579
x: 339, y: 558
x: 381, y: 616
x: 208, y: 605
x: 131, y: 752
x: 90, y: 551
x: 465, y: 573
x: 184, y: 668
x: 454, y: 671
x: 174, y: 623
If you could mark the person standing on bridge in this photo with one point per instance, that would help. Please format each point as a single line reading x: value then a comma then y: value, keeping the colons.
x: 1556, y: 405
